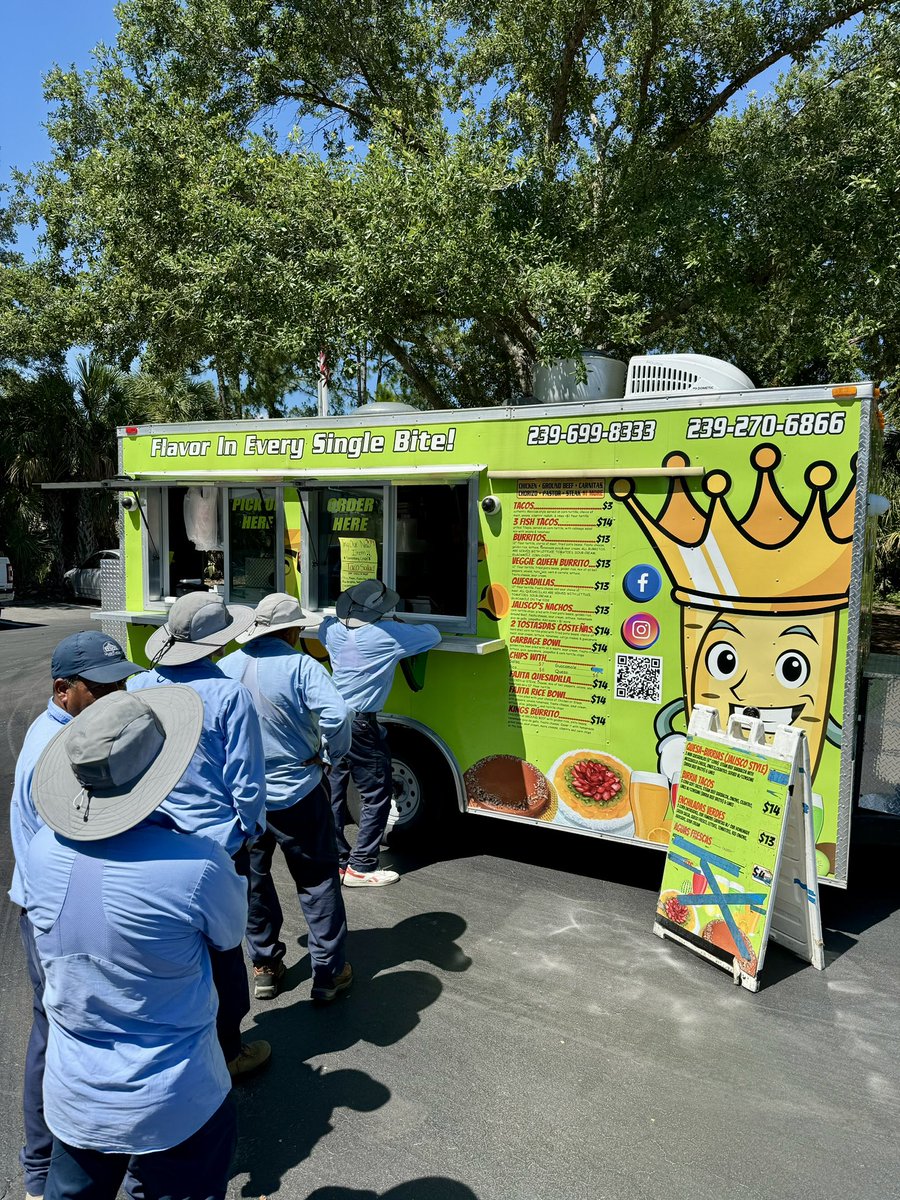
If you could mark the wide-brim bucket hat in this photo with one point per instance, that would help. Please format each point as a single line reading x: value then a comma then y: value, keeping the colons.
x: 275, y: 612
x: 198, y: 625
x: 117, y: 761
x: 366, y: 602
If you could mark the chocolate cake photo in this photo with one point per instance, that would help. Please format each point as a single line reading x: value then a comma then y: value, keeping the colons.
x: 507, y: 784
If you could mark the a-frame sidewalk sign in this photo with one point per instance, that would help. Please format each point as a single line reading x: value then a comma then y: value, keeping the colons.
x: 741, y: 864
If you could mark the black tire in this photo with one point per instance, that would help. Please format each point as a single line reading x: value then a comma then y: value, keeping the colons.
x: 424, y: 792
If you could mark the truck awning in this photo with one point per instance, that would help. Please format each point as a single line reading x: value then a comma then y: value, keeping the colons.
x: 325, y: 477
x: 120, y: 484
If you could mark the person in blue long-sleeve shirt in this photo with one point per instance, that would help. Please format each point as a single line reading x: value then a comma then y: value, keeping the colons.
x: 365, y: 646
x: 222, y: 794
x: 126, y: 911
x: 84, y: 668
x: 305, y: 726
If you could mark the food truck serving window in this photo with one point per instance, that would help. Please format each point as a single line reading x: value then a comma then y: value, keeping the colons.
x: 418, y: 538
x: 349, y: 540
x: 431, y: 548
x: 252, y: 541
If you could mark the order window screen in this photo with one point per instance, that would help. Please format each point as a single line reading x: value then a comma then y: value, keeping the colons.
x: 349, y: 540
x: 432, y: 548
x: 252, y: 529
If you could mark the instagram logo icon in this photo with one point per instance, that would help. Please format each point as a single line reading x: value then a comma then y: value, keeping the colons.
x: 640, y: 631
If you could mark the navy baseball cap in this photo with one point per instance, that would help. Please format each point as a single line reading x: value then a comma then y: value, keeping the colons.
x: 93, y: 656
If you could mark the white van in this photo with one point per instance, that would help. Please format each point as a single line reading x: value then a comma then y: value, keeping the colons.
x: 7, y: 594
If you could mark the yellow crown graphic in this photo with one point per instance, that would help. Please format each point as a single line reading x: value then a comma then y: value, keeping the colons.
x: 772, y: 560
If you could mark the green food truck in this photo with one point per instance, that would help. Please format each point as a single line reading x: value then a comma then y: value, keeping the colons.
x: 598, y: 560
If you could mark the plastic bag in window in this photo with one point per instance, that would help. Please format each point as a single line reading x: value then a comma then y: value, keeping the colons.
x: 201, y: 517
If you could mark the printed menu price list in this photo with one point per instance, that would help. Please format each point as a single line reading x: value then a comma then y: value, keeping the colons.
x: 560, y: 604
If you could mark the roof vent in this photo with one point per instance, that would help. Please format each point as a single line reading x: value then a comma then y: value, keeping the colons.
x: 682, y: 374
x: 381, y: 408
x: 557, y: 383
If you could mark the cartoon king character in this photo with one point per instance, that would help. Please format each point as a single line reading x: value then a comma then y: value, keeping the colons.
x: 760, y: 597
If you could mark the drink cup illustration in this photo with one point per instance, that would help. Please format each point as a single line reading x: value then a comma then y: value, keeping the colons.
x: 649, y: 802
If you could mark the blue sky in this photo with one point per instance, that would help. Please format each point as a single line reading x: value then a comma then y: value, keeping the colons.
x: 37, y: 34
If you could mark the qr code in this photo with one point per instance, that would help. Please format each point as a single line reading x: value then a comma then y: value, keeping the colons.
x: 639, y: 677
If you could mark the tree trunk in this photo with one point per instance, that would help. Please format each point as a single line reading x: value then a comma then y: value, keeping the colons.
x: 223, y: 390
x: 417, y: 377
x: 53, y: 518
x: 361, y: 380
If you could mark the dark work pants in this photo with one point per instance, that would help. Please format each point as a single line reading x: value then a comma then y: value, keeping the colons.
x: 35, y: 1154
x: 305, y: 833
x: 368, y: 762
x: 230, y: 981
x: 196, y: 1169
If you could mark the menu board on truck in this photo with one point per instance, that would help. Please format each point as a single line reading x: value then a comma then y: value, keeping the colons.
x: 712, y: 566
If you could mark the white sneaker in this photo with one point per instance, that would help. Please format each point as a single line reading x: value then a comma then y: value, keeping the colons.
x: 369, y: 878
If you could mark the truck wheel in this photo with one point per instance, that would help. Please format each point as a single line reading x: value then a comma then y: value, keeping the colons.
x: 408, y: 800
x: 424, y: 794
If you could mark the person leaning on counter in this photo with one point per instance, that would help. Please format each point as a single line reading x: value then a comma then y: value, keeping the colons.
x: 365, y: 642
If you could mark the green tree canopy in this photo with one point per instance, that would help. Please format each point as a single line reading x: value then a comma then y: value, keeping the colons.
x: 60, y: 427
x: 456, y: 190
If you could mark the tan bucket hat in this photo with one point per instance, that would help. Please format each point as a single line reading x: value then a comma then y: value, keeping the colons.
x: 274, y: 612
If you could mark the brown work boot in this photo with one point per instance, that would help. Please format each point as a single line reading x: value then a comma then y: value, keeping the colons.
x: 326, y: 987
x: 267, y: 979
x: 253, y: 1055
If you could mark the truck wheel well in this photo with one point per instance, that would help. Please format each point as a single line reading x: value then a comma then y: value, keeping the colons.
x: 411, y: 741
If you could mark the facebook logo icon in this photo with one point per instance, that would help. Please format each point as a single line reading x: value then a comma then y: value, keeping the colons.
x: 642, y: 582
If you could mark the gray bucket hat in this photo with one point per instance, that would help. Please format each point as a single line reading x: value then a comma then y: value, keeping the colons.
x: 117, y: 761
x: 365, y: 603
x: 274, y: 612
x: 198, y: 625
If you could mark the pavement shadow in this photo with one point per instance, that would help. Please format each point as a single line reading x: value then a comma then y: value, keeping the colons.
x: 425, y: 937
x: 554, y: 848
x: 432, y: 1187
x: 286, y: 1110
x: 21, y: 624
x: 780, y: 964
x: 870, y: 897
x: 298, y: 1102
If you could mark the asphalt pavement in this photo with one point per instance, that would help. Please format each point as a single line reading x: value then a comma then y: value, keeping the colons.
x: 516, y: 1032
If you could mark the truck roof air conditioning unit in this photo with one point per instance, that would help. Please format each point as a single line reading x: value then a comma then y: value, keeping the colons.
x: 557, y: 383
x: 682, y: 374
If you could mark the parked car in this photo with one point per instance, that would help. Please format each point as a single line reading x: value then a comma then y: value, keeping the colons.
x: 83, y: 583
x: 7, y: 594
